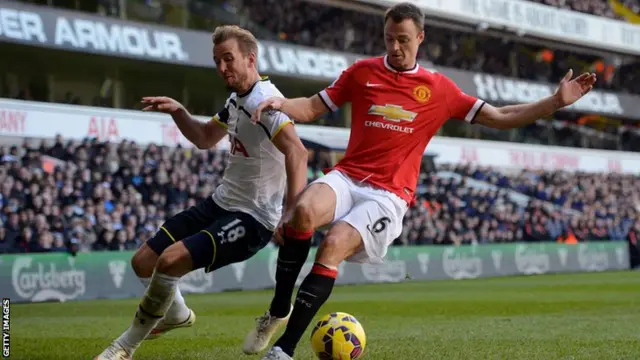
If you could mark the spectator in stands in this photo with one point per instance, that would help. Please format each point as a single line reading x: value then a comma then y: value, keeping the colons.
x: 328, y: 27
x: 111, y: 197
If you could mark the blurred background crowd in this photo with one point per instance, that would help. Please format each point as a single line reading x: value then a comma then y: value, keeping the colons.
x: 349, y: 28
x: 91, y: 195
x: 106, y: 196
x: 329, y: 27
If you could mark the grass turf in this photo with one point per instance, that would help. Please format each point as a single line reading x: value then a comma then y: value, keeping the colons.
x: 577, y: 316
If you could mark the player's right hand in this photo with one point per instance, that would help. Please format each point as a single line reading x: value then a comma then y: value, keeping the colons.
x: 277, y: 235
x: 272, y: 103
x: 161, y: 104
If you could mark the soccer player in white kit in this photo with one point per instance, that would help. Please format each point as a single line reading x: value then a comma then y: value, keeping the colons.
x: 239, y: 219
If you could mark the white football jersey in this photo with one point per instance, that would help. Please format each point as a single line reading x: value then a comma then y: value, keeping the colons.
x: 255, y: 179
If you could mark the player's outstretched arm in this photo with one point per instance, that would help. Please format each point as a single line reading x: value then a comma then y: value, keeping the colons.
x: 515, y: 116
x: 300, y: 109
x: 202, y: 135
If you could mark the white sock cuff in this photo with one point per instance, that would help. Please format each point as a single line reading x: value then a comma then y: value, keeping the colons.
x: 166, y: 278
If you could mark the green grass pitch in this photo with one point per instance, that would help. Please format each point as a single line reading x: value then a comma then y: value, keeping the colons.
x: 578, y: 316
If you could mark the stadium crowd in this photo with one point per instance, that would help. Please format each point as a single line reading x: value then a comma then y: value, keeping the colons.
x: 328, y: 27
x: 91, y: 196
x: 324, y: 26
x: 446, y: 47
x: 569, y: 130
x: 594, y: 7
x: 559, y: 207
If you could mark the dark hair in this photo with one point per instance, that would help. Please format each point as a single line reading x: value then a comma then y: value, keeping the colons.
x: 404, y: 11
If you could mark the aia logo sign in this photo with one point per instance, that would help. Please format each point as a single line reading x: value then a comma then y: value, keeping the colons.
x: 238, y: 147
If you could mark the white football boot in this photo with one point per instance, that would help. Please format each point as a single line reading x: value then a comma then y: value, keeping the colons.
x: 162, y: 327
x: 114, y: 352
x: 276, y: 354
x: 266, y: 325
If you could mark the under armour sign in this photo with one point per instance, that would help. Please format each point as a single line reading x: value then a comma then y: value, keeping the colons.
x: 88, y: 34
x: 280, y: 58
x: 496, y: 88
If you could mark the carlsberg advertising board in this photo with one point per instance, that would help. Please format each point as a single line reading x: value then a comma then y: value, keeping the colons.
x: 100, y: 275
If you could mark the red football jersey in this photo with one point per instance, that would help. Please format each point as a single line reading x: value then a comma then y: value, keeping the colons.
x: 394, y: 115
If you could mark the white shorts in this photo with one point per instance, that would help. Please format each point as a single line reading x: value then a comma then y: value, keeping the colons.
x: 377, y: 214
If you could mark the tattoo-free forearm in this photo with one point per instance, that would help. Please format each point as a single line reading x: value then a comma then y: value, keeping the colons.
x: 304, y: 109
x: 191, y: 128
x: 296, y: 167
x: 515, y: 116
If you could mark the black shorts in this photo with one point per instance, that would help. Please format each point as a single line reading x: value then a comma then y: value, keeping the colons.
x: 214, y: 236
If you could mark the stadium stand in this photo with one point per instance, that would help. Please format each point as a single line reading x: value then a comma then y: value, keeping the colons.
x: 329, y: 27
x: 595, y: 7
x: 92, y: 196
x: 113, y: 196
x: 104, y: 197
x: 609, y: 9
x: 333, y: 28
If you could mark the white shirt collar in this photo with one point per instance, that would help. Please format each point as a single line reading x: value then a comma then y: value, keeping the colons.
x: 410, y: 71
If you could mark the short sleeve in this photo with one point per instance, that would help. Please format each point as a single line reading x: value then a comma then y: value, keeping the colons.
x: 461, y: 106
x: 339, y: 93
x: 273, y: 122
x: 222, y: 117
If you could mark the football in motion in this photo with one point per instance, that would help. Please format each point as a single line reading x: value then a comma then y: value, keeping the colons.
x: 338, y: 336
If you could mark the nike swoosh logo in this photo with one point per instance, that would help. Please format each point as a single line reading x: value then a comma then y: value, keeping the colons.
x: 372, y: 84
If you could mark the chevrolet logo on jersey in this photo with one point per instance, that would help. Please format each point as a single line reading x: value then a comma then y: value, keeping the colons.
x: 392, y: 113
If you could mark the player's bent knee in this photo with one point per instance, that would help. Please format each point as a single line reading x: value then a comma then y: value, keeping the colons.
x: 340, y: 242
x: 175, y: 261
x: 143, y: 261
x: 315, y: 207
x: 303, y: 215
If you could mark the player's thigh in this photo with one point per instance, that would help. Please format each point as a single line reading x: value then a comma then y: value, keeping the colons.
x: 184, y: 224
x: 329, y: 196
x: 233, y: 237
x: 378, y: 220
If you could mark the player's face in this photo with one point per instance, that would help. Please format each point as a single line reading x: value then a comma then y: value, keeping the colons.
x: 232, y: 65
x: 402, y: 40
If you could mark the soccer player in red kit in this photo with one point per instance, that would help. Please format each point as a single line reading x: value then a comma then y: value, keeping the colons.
x: 397, y: 107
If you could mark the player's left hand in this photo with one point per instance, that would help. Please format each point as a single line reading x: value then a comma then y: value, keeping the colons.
x: 569, y: 91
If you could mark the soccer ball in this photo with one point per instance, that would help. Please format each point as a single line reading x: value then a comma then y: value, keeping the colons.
x: 338, y: 336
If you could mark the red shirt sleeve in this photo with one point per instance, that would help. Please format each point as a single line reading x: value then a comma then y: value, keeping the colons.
x: 461, y: 106
x: 338, y: 93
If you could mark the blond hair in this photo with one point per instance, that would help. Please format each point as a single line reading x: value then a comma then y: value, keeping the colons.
x: 246, y: 41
